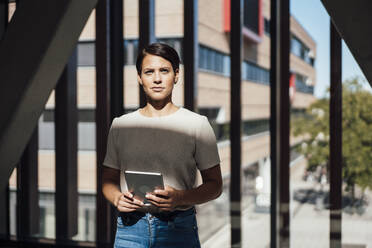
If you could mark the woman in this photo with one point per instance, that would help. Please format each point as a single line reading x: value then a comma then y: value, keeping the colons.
x: 160, y: 137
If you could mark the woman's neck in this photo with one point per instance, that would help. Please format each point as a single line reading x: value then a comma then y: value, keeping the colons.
x: 158, y: 109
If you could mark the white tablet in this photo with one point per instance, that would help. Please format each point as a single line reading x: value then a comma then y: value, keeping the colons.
x: 140, y: 183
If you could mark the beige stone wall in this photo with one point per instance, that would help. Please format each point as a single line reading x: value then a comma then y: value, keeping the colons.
x: 169, y: 18
x: 86, y: 87
x: 297, y: 65
x: 86, y: 91
x: 253, y: 148
x: 256, y: 101
x: 211, y: 25
x: 266, y: 8
x: 46, y: 167
x: 263, y: 50
x: 302, y: 100
x: 89, y: 31
x: 130, y: 19
x: 214, y: 90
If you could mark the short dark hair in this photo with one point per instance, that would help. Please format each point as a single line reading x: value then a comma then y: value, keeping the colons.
x: 159, y: 49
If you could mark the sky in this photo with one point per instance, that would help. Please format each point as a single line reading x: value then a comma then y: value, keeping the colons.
x: 314, y: 18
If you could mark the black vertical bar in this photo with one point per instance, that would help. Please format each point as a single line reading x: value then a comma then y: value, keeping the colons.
x: 104, y: 214
x: 66, y: 117
x: 235, y: 120
x: 3, y: 17
x: 146, y: 15
x: 335, y: 127
x: 280, y: 148
x: 27, y: 190
x: 4, y: 212
x: 117, y: 57
x: 4, y: 192
x: 273, y: 126
x: 190, y: 53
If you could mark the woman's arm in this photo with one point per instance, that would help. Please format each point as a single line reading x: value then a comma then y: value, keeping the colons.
x: 124, y: 202
x: 170, y: 198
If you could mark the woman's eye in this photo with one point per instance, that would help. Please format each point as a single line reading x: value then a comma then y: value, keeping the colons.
x: 164, y: 70
x: 148, y: 72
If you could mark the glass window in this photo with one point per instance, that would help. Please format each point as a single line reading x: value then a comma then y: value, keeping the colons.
x: 86, y: 130
x: 253, y: 72
x: 301, y: 85
x: 251, y: 15
x: 211, y: 59
x: 130, y: 52
x: 267, y: 26
x: 296, y: 47
x: 86, y: 53
x: 226, y: 65
x: 251, y: 127
x: 299, y: 49
x: 202, y: 57
x: 84, y: 115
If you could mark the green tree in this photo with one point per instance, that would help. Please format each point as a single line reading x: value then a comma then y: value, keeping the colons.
x: 356, y: 135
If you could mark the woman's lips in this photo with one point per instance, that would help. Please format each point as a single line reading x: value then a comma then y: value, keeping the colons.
x: 157, y: 88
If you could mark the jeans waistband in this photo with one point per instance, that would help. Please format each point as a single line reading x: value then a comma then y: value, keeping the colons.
x: 131, y: 218
x: 172, y: 215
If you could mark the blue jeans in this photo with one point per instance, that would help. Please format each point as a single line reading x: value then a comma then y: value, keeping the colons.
x: 151, y: 231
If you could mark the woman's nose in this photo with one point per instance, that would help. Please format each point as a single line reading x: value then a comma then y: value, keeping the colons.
x: 157, y: 78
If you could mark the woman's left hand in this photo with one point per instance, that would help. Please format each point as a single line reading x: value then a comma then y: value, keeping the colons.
x: 166, y: 199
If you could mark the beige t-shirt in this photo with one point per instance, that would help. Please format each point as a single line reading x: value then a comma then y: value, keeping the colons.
x: 175, y: 145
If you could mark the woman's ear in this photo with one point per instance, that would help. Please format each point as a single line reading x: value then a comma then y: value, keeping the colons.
x: 139, y: 79
x: 176, y: 76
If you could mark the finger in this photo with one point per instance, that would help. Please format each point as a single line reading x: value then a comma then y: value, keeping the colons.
x: 125, y: 198
x: 129, y: 204
x: 132, y: 202
x: 124, y: 209
x: 131, y: 199
x: 157, y: 199
x: 161, y: 192
x: 160, y: 205
x: 137, y: 202
x: 128, y: 194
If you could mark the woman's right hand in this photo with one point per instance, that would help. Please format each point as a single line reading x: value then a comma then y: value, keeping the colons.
x: 125, y: 202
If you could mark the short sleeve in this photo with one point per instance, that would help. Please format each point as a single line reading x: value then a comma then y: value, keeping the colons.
x: 206, y: 151
x: 112, y: 158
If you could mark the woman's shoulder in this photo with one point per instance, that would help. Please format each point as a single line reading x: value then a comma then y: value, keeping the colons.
x: 193, y: 116
x: 125, y: 118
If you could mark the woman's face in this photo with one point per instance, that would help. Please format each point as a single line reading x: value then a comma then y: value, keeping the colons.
x: 157, y: 78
